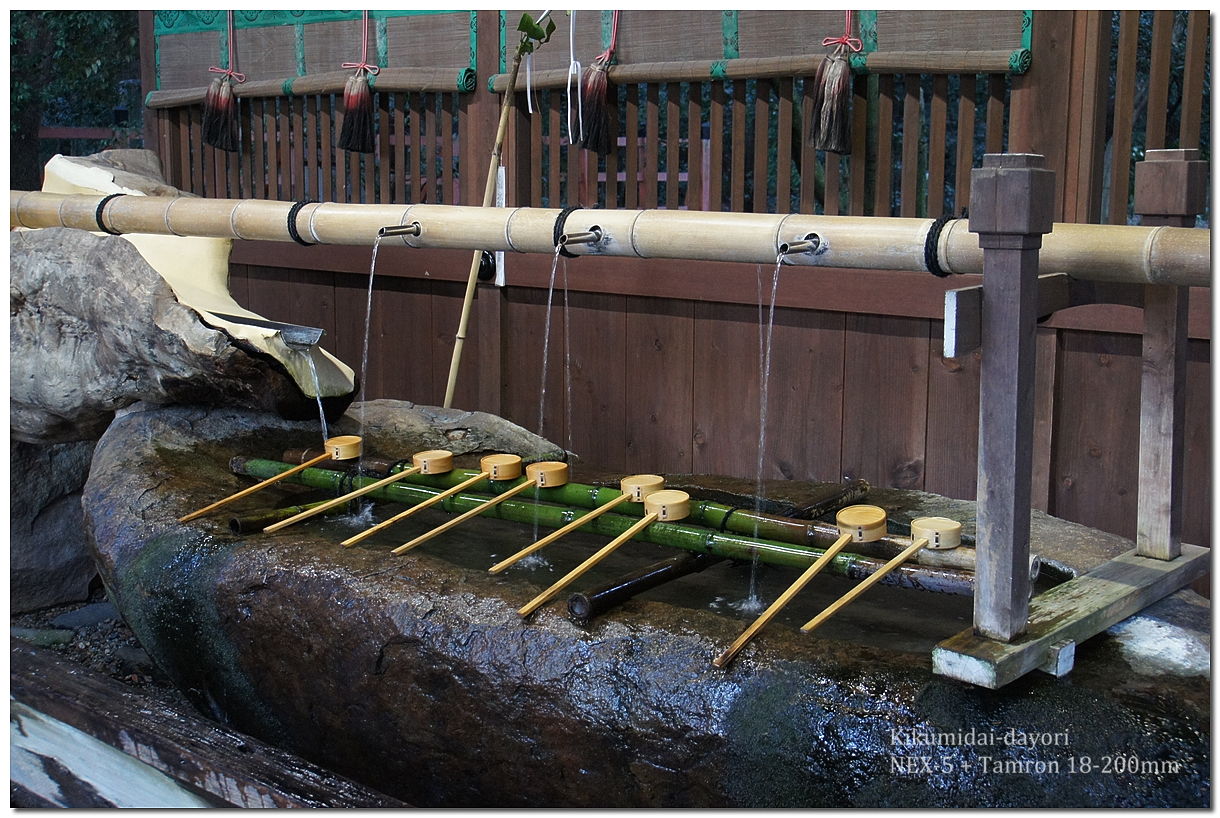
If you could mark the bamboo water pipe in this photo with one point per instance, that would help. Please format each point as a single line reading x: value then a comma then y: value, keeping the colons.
x: 495, y: 466
x: 436, y: 461
x: 635, y: 489
x: 1118, y: 253
x: 546, y: 474
x: 343, y: 447
x: 707, y: 538
x: 857, y: 523
x: 666, y: 505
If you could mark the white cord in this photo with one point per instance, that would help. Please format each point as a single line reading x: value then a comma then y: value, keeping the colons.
x: 574, y: 69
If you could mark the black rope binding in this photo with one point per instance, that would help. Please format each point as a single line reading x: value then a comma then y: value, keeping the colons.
x: 101, y: 207
x: 292, y: 223
x: 724, y: 521
x: 930, y: 258
x: 558, y: 234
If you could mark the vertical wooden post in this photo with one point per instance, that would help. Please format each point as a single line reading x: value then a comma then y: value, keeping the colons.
x: 1012, y: 206
x: 1170, y: 189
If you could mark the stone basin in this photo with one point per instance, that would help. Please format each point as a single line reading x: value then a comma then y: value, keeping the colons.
x: 415, y: 675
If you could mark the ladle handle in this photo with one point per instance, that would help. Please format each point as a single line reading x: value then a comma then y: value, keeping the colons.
x: 559, y: 532
x: 864, y: 586
x: 479, y: 509
x: 538, y: 601
x: 329, y: 504
x: 256, y: 487
x: 812, y: 571
x: 433, y: 500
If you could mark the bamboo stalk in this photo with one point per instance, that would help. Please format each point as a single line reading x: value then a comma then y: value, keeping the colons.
x: 676, y: 535
x: 595, y: 601
x: 431, y: 462
x: 321, y: 507
x: 603, y: 552
x: 489, y: 198
x: 461, y: 518
x: 418, y: 80
x: 1120, y: 253
x: 580, y: 521
x: 863, y: 586
x: 254, y: 521
x: 812, y: 571
x: 402, y: 515
x: 344, y: 447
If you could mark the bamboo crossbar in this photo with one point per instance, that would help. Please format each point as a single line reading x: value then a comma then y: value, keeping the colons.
x: 327, y: 82
x: 1119, y: 253
x: 800, y: 65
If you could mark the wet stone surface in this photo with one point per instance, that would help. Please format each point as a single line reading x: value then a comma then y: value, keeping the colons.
x: 416, y: 676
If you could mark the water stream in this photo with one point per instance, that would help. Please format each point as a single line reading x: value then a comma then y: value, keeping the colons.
x: 752, y: 603
x: 317, y: 391
x: 546, y: 349
x: 364, y: 352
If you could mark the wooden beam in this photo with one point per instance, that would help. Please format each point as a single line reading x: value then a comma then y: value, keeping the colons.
x: 1170, y: 189
x: 1011, y: 208
x: 1056, y: 291
x: 1067, y: 615
x: 174, y: 751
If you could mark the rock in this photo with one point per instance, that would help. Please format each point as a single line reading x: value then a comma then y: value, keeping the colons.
x: 86, y: 617
x: 135, y: 659
x: 415, y: 675
x: 93, y: 328
x: 43, y: 637
x: 49, y: 559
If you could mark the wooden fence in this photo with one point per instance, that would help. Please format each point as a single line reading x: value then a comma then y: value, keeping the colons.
x: 653, y: 365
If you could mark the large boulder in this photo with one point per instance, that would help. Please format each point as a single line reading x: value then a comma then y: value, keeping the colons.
x: 49, y: 563
x: 93, y: 328
x: 415, y: 675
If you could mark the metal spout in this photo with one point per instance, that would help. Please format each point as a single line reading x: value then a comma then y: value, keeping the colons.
x: 293, y: 335
x: 412, y: 229
x: 591, y: 236
x: 809, y: 244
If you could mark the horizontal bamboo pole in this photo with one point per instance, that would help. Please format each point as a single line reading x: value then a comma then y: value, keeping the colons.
x: 942, y: 62
x: 800, y: 65
x: 327, y: 82
x: 720, y: 516
x: 678, y: 535
x: 1131, y: 254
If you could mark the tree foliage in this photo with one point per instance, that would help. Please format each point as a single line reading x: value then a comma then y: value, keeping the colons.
x: 66, y: 68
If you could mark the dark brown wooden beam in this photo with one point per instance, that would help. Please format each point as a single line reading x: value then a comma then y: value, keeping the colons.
x: 205, y: 757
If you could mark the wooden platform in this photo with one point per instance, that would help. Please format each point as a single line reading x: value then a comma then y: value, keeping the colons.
x: 1068, y: 614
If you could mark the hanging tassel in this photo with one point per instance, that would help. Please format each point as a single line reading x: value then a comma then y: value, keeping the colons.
x: 832, y: 95
x: 596, y: 93
x: 220, y: 103
x: 357, y: 132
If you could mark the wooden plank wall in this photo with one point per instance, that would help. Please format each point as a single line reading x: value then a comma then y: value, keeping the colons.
x: 640, y: 383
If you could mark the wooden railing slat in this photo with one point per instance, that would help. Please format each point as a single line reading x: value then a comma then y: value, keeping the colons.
x: 1158, y: 79
x: 631, y: 191
x: 737, y: 181
x: 967, y: 97
x: 554, y: 141
x: 783, y: 146
x: 936, y: 145
x: 652, y: 148
x: 911, y: 124
x: 1124, y: 116
x: 996, y: 104
x: 1197, y: 27
x: 883, y: 200
x: 762, y: 116
x: 694, y: 148
x: 673, y: 144
x: 859, y: 157
x: 716, y: 165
